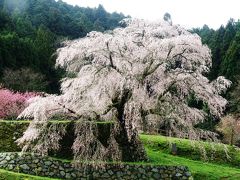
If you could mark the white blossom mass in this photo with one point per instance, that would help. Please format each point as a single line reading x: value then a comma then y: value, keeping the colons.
x: 141, y: 76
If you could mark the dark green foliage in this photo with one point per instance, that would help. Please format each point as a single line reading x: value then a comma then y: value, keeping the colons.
x: 14, y: 51
x: 61, y: 18
x: 103, y: 132
x: 30, y: 32
x: 9, y: 132
x: 224, y: 44
x: 210, y: 121
x: 5, y: 21
x: 231, y: 63
x: 193, y: 102
x: 219, y: 41
x: 24, y: 79
x: 12, y: 130
x: 65, y: 151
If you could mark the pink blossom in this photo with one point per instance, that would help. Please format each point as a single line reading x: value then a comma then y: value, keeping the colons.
x: 12, y: 104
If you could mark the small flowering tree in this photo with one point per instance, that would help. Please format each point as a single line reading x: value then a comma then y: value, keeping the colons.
x: 139, y: 76
x: 12, y: 104
x: 229, y: 126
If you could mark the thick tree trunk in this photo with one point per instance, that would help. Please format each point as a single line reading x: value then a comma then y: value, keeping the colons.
x: 131, y: 147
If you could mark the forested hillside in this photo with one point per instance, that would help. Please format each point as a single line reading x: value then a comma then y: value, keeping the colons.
x: 30, y: 32
x: 225, y: 46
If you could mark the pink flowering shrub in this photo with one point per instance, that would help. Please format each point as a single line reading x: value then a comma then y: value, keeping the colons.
x: 12, y: 104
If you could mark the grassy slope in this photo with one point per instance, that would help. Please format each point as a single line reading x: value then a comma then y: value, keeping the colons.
x: 199, y: 169
x: 195, y: 150
x: 7, y: 175
x: 159, y: 154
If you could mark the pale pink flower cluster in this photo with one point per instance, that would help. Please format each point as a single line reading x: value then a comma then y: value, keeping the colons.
x: 13, y: 103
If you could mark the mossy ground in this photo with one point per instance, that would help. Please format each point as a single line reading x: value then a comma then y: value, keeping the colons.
x: 9, y: 132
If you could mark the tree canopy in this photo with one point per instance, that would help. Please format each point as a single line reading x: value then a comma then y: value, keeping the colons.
x: 141, y: 77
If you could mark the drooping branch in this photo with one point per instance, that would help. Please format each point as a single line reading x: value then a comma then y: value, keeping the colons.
x: 169, y: 51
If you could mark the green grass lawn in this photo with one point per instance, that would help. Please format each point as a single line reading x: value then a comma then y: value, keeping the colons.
x: 8, y: 175
x: 157, y: 148
x: 200, y: 170
x: 195, y: 150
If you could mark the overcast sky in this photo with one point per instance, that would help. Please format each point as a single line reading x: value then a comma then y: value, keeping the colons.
x: 188, y: 13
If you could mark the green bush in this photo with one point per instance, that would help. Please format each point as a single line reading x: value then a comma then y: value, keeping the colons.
x: 9, y: 132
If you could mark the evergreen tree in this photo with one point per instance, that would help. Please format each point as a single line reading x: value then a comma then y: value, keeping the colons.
x: 30, y: 31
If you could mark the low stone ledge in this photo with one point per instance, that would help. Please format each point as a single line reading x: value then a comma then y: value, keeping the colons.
x: 46, y: 166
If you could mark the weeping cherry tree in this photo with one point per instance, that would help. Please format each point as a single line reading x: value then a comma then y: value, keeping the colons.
x: 141, y: 77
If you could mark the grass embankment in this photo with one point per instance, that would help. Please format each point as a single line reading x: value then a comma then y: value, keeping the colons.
x: 8, y: 175
x: 159, y: 152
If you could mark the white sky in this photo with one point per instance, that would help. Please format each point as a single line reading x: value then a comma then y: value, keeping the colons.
x: 188, y: 13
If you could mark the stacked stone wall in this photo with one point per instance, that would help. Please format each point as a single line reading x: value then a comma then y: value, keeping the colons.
x: 46, y: 166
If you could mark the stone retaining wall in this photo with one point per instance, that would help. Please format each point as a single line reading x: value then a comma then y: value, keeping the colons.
x: 46, y: 166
